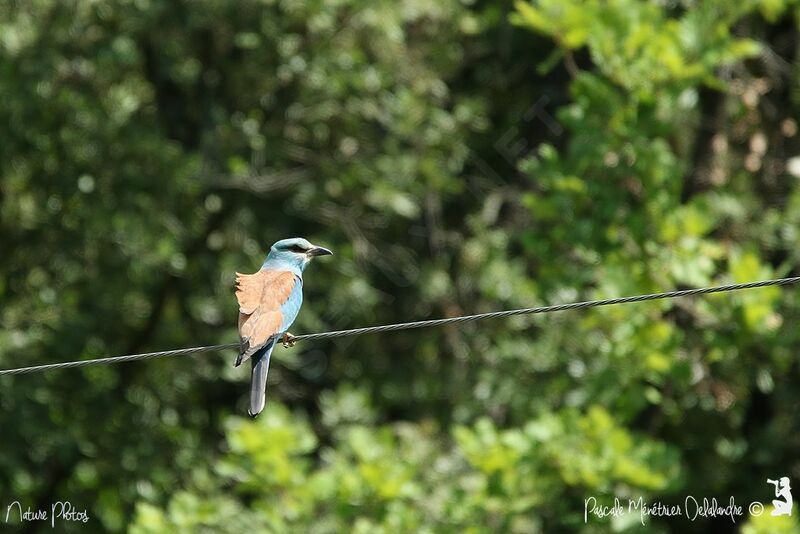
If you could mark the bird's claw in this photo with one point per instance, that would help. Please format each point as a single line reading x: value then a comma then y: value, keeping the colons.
x: 288, y: 340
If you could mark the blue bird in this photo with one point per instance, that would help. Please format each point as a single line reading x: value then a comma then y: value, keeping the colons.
x: 269, y: 301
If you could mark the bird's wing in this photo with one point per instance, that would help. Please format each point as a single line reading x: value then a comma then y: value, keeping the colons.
x: 261, y: 297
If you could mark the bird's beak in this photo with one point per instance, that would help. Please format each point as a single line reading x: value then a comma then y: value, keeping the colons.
x: 319, y: 251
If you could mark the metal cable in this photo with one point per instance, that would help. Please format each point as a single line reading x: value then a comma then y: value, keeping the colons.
x: 418, y: 324
x: 546, y: 309
x: 117, y: 359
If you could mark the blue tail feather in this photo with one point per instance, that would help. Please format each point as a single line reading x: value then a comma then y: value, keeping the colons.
x: 258, y: 379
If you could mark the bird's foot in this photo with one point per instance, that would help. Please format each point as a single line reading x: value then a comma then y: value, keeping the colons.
x: 288, y: 340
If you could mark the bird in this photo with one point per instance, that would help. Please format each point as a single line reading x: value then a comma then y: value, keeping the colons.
x: 269, y: 301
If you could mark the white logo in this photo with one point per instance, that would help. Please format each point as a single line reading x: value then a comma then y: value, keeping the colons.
x: 783, y: 503
x: 692, y: 507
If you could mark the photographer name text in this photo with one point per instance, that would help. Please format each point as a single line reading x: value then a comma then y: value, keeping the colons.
x: 692, y: 509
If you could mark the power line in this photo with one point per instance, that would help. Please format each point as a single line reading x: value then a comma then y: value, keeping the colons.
x: 546, y: 309
x: 117, y: 359
x: 415, y: 324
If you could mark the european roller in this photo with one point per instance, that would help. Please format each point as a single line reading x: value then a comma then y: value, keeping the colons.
x: 269, y: 301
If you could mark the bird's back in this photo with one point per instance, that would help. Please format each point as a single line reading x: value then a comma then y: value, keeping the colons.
x: 269, y: 302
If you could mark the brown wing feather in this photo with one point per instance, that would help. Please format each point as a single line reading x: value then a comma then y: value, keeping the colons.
x: 249, y: 288
x: 260, y: 297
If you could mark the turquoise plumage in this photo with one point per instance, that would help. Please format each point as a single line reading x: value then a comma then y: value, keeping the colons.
x: 269, y: 302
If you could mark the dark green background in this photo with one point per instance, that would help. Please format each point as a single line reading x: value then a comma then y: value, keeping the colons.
x: 458, y: 157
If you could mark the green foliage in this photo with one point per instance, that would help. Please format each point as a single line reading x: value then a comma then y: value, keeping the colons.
x: 638, y: 45
x: 394, y: 478
x: 459, y: 157
x: 772, y: 525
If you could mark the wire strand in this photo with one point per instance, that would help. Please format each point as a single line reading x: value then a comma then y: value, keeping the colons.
x: 415, y: 324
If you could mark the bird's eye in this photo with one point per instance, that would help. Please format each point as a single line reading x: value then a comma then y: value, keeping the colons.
x: 298, y: 249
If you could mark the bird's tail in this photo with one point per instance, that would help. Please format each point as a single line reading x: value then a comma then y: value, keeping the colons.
x: 258, y: 379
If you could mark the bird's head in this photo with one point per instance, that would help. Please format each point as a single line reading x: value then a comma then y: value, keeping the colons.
x: 293, y: 254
